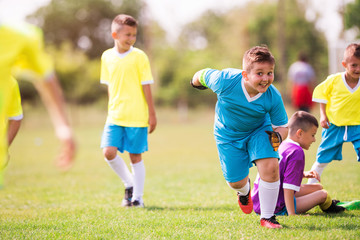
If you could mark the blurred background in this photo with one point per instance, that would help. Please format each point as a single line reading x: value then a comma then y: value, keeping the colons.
x: 181, y: 37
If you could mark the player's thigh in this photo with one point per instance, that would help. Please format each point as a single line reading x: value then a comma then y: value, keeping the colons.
x: 331, y: 144
x: 113, y: 136
x: 136, y: 139
x: 307, y: 202
x: 308, y: 188
x: 234, y: 162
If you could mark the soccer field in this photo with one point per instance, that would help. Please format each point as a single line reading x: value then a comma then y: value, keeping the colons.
x: 186, y: 196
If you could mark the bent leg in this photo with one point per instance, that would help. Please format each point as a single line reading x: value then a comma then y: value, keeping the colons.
x: 306, y: 189
x: 307, y: 202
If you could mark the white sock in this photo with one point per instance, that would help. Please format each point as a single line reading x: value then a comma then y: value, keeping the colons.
x: 120, y: 168
x: 138, y: 170
x: 244, y: 190
x: 268, y: 195
x: 319, y: 168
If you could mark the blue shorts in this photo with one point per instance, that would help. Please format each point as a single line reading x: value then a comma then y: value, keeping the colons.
x: 284, y: 211
x: 130, y: 139
x: 332, y: 140
x: 236, y: 158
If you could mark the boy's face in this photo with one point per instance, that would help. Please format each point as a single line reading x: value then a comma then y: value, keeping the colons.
x: 125, y: 38
x: 260, y: 77
x: 306, y: 138
x: 352, y: 66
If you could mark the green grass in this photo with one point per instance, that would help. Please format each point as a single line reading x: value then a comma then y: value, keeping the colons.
x: 186, y: 196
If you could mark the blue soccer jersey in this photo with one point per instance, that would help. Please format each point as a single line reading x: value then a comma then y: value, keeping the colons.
x: 236, y: 113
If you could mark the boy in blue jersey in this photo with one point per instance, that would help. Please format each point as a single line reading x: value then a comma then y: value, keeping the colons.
x: 131, y: 113
x: 339, y: 98
x: 249, y: 112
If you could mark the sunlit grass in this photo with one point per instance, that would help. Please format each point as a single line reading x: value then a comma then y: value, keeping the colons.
x: 186, y: 196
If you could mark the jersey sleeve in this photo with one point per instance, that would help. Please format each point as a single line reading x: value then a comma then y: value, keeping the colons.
x: 321, y: 92
x: 146, y: 75
x: 14, y: 109
x: 104, y: 72
x: 219, y: 81
x: 294, y: 170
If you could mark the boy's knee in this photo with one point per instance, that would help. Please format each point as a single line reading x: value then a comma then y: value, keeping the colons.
x: 109, y: 153
x: 318, y: 186
x: 324, y: 195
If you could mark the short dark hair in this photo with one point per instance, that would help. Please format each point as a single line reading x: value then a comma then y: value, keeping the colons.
x: 302, y: 120
x: 121, y: 20
x: 257, y: 54
x: 352, y: 50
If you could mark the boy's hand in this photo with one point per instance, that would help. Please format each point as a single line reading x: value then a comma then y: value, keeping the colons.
x: 201, y: 87
x: 312, y: 174
x: 275, y: 139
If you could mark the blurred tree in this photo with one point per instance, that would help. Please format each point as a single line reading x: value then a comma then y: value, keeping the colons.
x: 300, y: 36
x: 352, y: 16
x: 219, y: 40
x: 84, y: 23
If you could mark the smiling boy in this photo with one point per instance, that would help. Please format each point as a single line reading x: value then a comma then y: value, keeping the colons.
x: 339, y: 98
x: 249, y: 108
x: 131, y: 113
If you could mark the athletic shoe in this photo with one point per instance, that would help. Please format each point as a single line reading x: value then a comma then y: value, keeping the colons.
x: 126, y: 202
x: 270, y: 222
x: 334, y: 208
x: 137, y: 203
x: 245, y: 202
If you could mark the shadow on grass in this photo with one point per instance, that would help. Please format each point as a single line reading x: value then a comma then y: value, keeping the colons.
x: 191, y: 208
x: 350, y: 224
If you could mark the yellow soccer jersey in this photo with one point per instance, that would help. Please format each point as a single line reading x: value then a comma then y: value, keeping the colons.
x: 22, y: 45
x: 125, y: 74
x: 10, y: 108
x: 342, y: 102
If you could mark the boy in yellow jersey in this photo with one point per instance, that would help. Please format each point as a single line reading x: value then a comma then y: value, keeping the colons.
x: 11, y: 115
x: 131, y: 113
x: 22, y: 45
x: 339, y: 98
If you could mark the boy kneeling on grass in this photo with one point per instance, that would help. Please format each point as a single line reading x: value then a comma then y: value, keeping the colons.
x: 295, y: 197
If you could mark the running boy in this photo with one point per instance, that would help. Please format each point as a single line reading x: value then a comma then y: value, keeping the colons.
x: 295, y: 197
x: 126, y: 71
x: 11, y: 115
x: 248, y: 105
x: 339, y: 98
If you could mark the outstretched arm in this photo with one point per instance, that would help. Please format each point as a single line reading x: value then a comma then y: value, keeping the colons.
x: 152, y: 113
x: 52, y: 96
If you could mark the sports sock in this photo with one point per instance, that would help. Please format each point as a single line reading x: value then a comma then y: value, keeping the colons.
x: 325, y: 205
x: 319, y: 168
x: 268, y: 195
x: 244, y: 190
x: 120, y: 168
x: 138, y: 170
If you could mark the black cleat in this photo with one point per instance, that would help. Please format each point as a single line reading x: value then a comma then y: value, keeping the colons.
x: 126, y: 202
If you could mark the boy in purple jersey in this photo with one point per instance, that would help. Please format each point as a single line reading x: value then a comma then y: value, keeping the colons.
x: 295, y: 197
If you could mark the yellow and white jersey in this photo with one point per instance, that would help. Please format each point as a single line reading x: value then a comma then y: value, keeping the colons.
x: 125, y: 74
x: 342, y: 102
x: 21, y: 46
